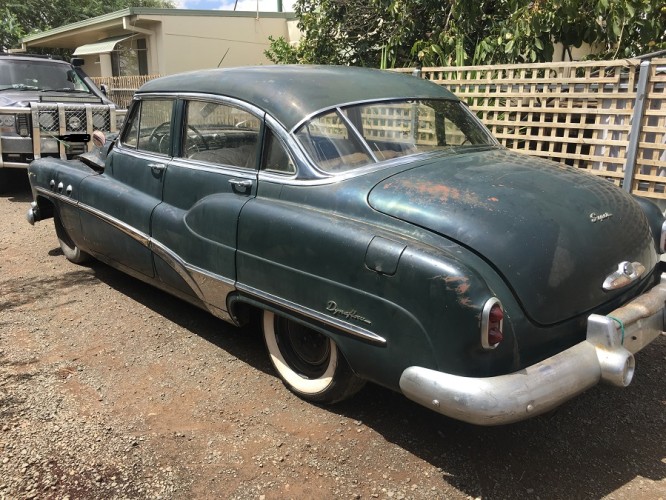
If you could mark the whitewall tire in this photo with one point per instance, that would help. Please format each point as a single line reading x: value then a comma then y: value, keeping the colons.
x: 308, y: 362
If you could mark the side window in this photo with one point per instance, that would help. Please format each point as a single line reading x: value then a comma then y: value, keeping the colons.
x: 220, y: 133
x: 130, y: 135
x: 155, y: 126
x: 276, y: 158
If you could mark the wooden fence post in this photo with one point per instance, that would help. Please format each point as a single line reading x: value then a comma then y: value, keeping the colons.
x: 636, y: 126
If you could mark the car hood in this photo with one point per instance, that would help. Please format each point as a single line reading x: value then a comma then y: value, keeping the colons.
x: 553, y: 232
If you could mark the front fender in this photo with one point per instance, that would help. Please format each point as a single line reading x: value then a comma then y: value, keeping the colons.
x: 55, y: 185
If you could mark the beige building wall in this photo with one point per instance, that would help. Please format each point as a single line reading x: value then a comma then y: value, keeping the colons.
x: 577, y: 53
x: 176, y: 40
x: 191, y: 43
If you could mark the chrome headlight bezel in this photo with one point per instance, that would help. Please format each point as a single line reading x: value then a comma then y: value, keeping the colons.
x: 47, y: 121
x: 8, y: 123
x: 74, y: 123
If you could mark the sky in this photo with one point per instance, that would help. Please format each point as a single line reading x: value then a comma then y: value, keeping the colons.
x: 243, y: 5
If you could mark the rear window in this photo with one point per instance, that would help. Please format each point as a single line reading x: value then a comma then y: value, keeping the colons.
x: 356, y: 136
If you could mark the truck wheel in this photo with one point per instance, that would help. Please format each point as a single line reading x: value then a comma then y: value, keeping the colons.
x: 309, y: 363
x: 69, y: 249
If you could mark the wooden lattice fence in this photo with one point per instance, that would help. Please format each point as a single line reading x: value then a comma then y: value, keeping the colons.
x: 607, y: 117
x: 121, y: 89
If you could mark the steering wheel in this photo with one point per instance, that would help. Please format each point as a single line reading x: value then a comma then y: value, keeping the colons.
x: 158, y: 136
x: 193, y: 148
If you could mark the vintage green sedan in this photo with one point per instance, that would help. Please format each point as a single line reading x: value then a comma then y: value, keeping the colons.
x: 379, y: 230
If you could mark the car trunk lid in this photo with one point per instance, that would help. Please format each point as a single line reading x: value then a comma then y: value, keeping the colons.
x: 553, y: 233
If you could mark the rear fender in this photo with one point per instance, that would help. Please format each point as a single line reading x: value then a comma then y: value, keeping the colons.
x: 349, y: 279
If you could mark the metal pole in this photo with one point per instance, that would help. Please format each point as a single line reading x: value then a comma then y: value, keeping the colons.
x: 636, y: 126
x: 279, y: 5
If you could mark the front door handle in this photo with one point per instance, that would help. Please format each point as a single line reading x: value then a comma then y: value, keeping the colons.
x: 157, y: 167
x: 241, y: 184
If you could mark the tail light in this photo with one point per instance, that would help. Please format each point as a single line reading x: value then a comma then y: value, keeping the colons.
x: 492, y: 321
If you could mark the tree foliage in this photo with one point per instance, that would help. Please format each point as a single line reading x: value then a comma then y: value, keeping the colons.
x: 390, y: 33
x: 23, y: 17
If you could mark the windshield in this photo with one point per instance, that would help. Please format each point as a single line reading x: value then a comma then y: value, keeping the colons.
x: 355, y: 136
x: 39, y: 75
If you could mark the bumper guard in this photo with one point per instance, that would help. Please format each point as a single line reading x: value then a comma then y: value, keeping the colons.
x: 606, y: 355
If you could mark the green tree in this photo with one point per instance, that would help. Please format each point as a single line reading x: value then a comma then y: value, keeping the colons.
x: 405, y: 32
x: 23, y: 17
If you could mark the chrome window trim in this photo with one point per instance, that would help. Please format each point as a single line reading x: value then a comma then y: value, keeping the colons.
x: 368, y: 101
x: 128, y: 118
x: 142, y: 154
x: 288, y: 143
x: 378, y: 164
x: 358, y: 136
x: 217, y: 168
x: 214, y: 98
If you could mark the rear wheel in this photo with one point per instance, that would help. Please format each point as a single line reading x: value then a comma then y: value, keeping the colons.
x: 309, y: 363
x: 72, y: 252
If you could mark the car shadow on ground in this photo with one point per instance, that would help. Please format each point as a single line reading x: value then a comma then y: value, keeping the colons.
x: 16, y: 186
x: 588, y: 448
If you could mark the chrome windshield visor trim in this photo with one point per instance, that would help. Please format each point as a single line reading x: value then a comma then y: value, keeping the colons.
x: 605, y: 356
x: 352, y: 330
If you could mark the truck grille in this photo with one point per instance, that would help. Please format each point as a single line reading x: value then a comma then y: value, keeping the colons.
x: 71, y: 119
x: 65, y: 130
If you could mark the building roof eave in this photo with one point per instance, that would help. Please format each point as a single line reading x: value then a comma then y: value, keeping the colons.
x: 88, y: 23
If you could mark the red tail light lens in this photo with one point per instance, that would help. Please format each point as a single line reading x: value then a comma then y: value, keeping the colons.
x: 496, y: 314
x: 492, y: 319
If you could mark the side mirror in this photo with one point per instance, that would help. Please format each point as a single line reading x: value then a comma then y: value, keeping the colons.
x: 98, y: 138
x: 77, y: 61
x: 105, y: 89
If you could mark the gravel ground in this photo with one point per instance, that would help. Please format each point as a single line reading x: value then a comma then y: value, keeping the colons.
x: 112, y: 389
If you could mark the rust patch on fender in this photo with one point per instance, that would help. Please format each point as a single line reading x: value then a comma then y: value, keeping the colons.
x: 440, y: 192
x: 460, y: 286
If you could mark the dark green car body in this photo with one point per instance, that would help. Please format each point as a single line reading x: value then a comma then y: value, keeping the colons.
x: 395, y: 254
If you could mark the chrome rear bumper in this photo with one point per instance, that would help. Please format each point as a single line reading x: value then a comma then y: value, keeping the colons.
x: 606, y: 355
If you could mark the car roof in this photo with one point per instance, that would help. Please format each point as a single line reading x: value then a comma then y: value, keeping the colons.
x: 291, y: 93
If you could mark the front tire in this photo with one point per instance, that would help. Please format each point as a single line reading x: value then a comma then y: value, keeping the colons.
x: 308, y: 362
x: 72, y: 252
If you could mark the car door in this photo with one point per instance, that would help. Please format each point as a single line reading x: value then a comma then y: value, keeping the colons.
x: 212, y: 176
x: 120, y: 201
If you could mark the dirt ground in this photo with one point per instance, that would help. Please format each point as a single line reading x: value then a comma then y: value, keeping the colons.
x: 112, y: 389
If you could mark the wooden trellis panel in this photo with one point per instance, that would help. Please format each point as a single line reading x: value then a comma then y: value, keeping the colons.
x: 650, y: 177
x: 122, y: 88
x: 578, y: 113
